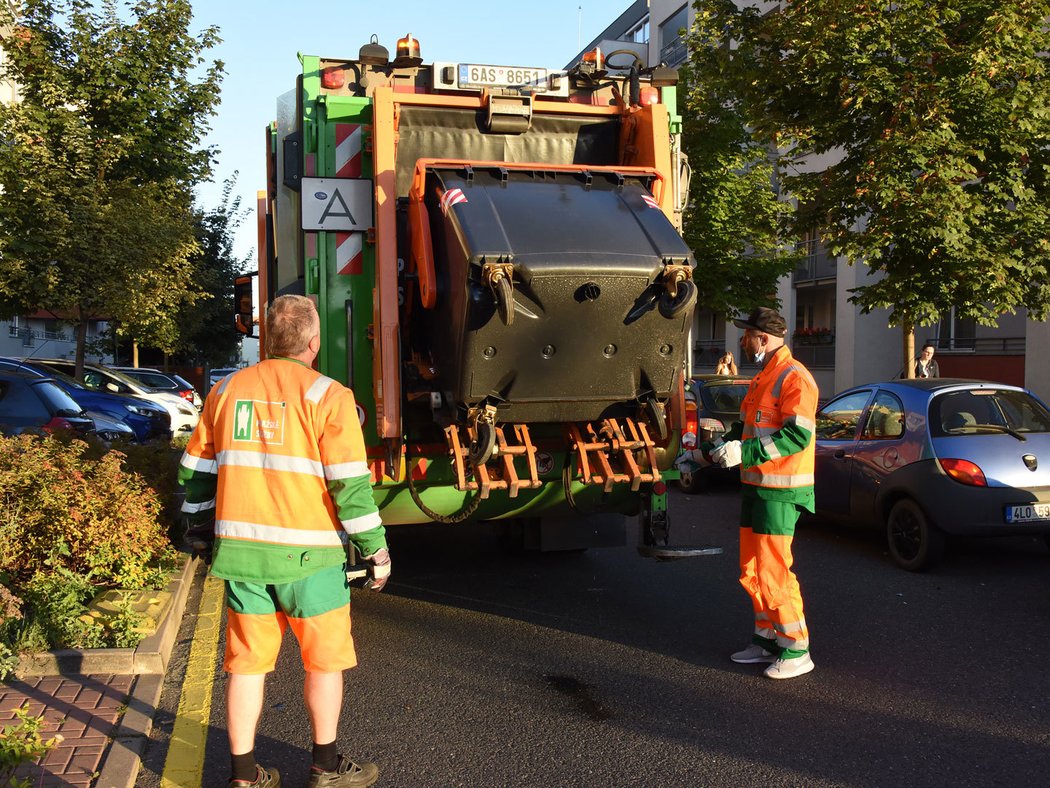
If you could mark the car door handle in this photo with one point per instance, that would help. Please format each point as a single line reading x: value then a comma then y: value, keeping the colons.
x: 840, y: 454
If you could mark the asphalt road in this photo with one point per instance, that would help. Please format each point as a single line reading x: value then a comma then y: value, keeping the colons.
x: 482, y: 668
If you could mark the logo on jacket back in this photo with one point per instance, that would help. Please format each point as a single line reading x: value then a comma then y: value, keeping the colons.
x: 258, y: 422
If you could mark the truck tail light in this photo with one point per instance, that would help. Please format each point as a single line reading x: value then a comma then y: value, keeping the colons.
x: 691, y: 426
x: 332, y: 78
x: 964, y: 472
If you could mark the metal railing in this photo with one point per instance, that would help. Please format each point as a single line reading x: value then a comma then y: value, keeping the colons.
x: 674, y: 52
x: 978, y: 346
x: 706, y: 353
x: 28, y: 335
x: 816, y: 264
x: 815, y: 356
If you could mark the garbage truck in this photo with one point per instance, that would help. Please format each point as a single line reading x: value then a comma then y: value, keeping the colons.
x: 496, y: 258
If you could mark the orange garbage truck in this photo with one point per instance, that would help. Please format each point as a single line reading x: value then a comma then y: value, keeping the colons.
x: 496, y: 258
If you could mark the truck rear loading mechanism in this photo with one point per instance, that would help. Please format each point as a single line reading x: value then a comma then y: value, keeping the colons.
x: 496, y: 258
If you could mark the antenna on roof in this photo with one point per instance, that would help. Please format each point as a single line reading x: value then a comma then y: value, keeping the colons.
x: 579, y: 27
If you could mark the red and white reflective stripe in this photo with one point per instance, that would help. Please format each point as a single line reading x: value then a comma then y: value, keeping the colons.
x: 650, y: 201
x: 347, y: 150
x: 450, y: 198
x: 349, y: 253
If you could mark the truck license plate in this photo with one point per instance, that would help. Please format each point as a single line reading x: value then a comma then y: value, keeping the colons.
x: 473, y: 75
x: 1028, y: 513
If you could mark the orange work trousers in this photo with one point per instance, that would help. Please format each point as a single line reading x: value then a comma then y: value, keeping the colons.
x: 767, y: 529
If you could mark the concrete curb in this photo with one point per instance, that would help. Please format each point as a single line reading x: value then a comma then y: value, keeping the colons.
x: 123, y: 759
x: 150, y: 657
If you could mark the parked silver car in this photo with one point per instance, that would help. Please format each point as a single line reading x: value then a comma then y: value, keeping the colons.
x: 931, y: 458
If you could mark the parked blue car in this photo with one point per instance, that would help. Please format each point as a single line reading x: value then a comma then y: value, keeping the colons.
x: 931, y: 458
x: 147, y: 420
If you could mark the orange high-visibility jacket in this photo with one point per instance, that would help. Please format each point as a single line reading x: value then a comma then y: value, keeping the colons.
x: 278, y: 459
x: 778, y: 422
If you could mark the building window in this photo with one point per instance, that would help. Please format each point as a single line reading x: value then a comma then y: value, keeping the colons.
x: 639, y: 34
x: 956, y: 333
x: 672, y: 41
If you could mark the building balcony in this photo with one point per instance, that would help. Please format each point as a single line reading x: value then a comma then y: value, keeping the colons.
x: 815, y: 356
x: 674, y: 52
x: 706, y: 353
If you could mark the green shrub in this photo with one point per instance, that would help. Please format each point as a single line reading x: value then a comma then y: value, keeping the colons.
x: 64, y: 508
x: 22, y: 743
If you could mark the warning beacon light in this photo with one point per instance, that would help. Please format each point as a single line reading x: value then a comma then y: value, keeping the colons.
x: 408, y: 47
x: 594, y: 59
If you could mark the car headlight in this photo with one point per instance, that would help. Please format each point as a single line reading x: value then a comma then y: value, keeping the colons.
x: 141, y: 411
x: 185, y: 411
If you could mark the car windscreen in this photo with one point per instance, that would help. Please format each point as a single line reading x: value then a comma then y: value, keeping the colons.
x: 987, y: 411
x: 60, y: 403
x: 724, y: 398
x: 57, y: 375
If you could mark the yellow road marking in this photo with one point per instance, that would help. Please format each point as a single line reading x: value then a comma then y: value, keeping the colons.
x: 184, y: 766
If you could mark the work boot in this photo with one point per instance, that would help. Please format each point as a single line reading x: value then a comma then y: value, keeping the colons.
x: 346, y: 775
x: 753, y: 654
x: 789, y: 668
x: 270, y: 778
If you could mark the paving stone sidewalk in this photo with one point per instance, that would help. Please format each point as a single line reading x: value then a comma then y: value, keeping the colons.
x: 85, y: 710
x: 101, y: 701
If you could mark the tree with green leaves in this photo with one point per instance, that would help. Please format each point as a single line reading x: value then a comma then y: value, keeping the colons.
x: 734, y: 222
x: 207, y: 335
x: 102, y: 152
x: 935, y: 118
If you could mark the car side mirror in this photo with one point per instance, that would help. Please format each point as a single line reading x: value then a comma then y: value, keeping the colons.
x: 112, y: 387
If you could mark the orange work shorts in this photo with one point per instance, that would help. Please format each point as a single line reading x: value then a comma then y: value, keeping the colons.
x: 317, y: 608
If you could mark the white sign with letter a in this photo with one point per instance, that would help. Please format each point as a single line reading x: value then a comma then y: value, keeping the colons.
x: 337, y: 204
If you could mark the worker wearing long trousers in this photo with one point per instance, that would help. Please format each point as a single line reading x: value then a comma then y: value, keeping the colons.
x: 773, y: 444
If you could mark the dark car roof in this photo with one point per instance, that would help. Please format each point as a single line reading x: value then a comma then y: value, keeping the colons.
x: 23, y: 374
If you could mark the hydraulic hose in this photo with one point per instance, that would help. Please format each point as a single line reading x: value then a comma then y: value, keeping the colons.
x: 449, y: 519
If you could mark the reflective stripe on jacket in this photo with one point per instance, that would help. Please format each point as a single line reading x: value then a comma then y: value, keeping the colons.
x: 778, y: 416
x: 278, y: 459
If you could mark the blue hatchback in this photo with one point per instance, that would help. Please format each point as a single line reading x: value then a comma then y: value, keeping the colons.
x: 931, y: 458
x: 146, y: 419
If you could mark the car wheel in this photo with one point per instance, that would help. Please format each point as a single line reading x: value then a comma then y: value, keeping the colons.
x: 915, y: 544
x: 693, y: 482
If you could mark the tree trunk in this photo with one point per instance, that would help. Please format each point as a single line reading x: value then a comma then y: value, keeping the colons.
x: 908, y: 348
x: 135, y: 353
x: 82, y: 327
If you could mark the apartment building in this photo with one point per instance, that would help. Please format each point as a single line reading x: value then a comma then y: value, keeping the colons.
x: 841, y: 346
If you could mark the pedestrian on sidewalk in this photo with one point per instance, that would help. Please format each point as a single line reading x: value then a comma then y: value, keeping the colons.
x: 278, y: 461
x: 774, y: 446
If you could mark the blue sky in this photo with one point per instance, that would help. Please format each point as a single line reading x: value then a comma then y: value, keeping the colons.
x: 261, y: 39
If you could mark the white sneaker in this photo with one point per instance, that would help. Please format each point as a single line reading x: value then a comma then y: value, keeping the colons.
x: 789, y: 668
x: 753, y: 654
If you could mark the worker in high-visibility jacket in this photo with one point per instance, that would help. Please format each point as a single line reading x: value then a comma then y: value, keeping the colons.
x: 773, y: 445
x: 278, y: 462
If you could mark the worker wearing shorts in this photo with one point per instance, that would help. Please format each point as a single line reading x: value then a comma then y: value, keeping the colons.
x: 278, y: 464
